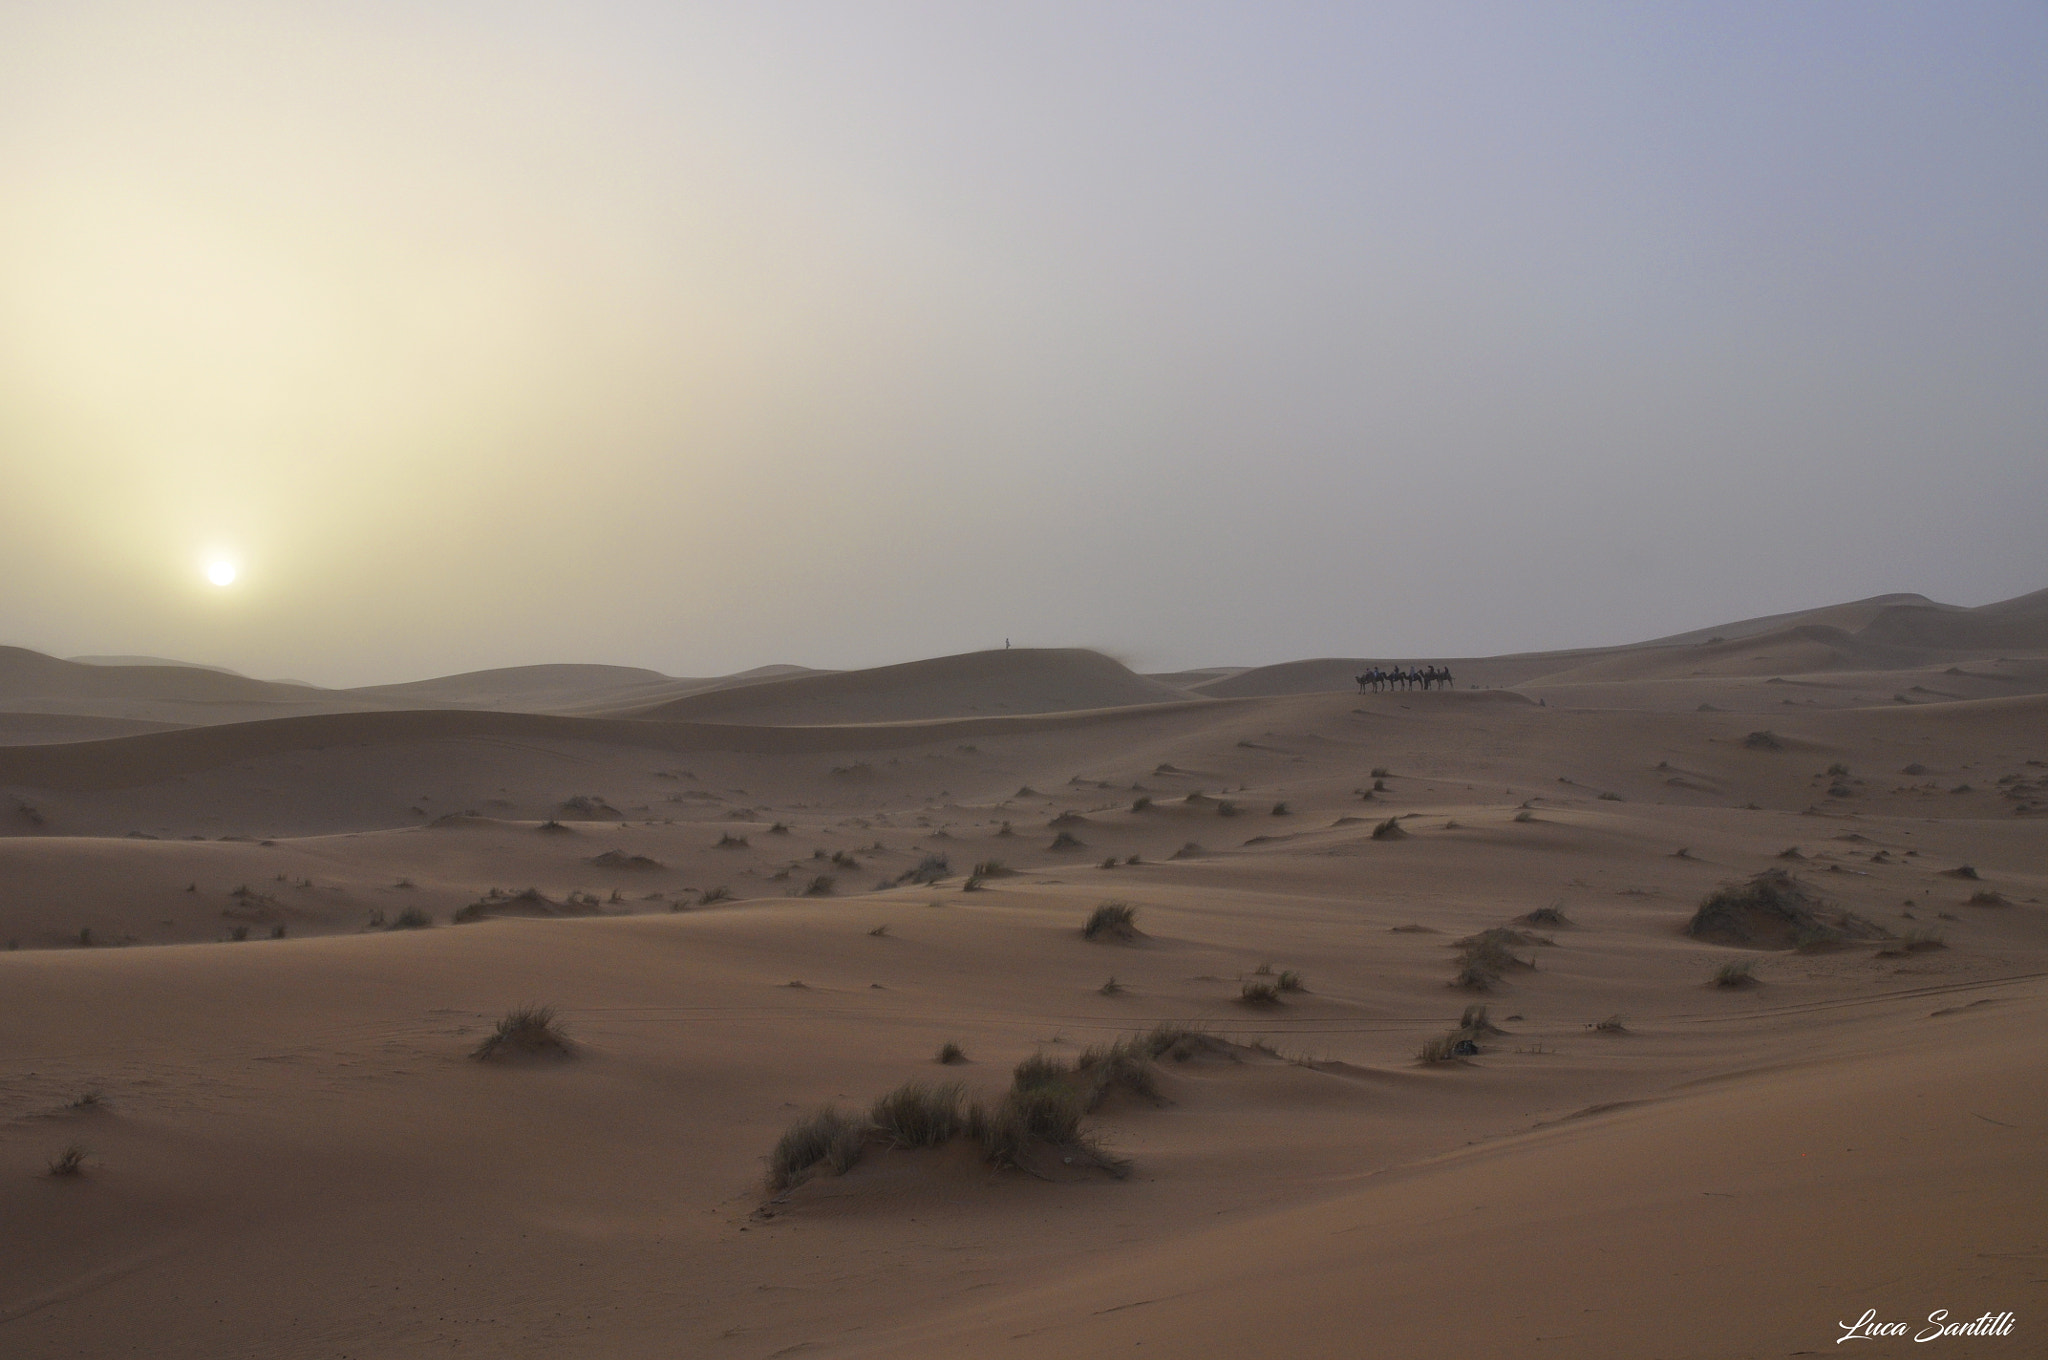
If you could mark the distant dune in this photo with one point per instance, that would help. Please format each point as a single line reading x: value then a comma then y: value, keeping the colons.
x: 32, y: 675
x: 974, y: 684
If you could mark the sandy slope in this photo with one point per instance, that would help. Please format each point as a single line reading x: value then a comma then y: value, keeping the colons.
x: 291, y: 1155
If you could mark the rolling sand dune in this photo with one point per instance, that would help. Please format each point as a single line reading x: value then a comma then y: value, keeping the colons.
x: 234, y: 979
x: 1023, y: 680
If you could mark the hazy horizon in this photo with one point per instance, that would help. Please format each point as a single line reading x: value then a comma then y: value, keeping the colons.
x: 701, y: 338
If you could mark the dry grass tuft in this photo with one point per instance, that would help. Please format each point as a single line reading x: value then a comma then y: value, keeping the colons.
x: 70, y: 1162
x: 1112, y: 921
x: 1736, y: 973
x: 1389, y: 830
x: 1258, y: 991
x: 525, y: 1032
x: 951, y: 1054
x: 826, y: 1136
x: 920, y: 1114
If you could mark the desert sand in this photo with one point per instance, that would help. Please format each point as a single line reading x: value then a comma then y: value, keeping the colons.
x: 727, y: 889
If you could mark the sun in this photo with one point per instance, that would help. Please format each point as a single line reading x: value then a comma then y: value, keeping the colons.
x: 221, y: 573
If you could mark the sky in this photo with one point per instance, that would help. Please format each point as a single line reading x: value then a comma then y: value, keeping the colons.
x: 701, y: 337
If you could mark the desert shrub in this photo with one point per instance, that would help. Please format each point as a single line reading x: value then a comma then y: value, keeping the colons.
x: 993, y: 868
x: 552, y: 827
x: 1040, y: 1069
x: 1280, y: 809
x: 1988, y: 898
x: 728, y: 841
x: 827, y: 1135
x: 69, y: 1162
x: 412, y: 918
x: 1490, y: 953
x: 1111, y: 987
x: 930, y: 869
x: 1773, y: 910
x: 1389, y: 830
x: 1025, y: 1116
x: 1547, y: 916
x: 1257, y: 991
x: 525, y: 1032
x: 821, y: 886
x: 973, y: 883
x: 720, y: 893
x: 1226, y: 808
x: 880, y: 931
x: 1475, y: 1023
x: 779, y: 829
x: 1838, y: 771
x: 1525, y: 816
x: 1610, y: 797
x: 920, y: 1114
x: 1613, y: 1024
x: 1111, y: 921
x: 1382, y: 772
x: 1122, y: 1066
x: 1763, y: 741
x: 844, y: 860
x: 1066, y: 840
x: 1141, y: 803
x: 1790, y: 852
x: 951, y: 1054
x: 1440, y: 1049
x: 1736, y: 973
x: 1474, y: 978
x: 85, y: 937
x: 1289, y: 981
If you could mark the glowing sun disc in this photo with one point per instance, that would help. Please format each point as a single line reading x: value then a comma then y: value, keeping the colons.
x: 221, y: 573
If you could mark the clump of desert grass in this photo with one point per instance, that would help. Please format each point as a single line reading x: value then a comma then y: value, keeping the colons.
x: 993, y: 868
x: 412, y: 918
x: 1525, y: 816
x: 1067, y: 840
x: 820, y: 886
x: 1483, y: 959
x: 950, y: 1054
x: 1988, y: 898
x: 1259, y: 991
x: 69, y: 1163
x: 720, y: 893
x: 1773, y: 910
x: 827, y: 1136
x: 1462, y: 1042
x: 525, y: 1032
x: 1763, y: 741
x: 1111, y: 987
x: 1039, y: 1115
x: 1553, y: 917
x: 1389, y: 830
x: 1736, y: 973
x: 1116, y: 921
x: 920, y: 1114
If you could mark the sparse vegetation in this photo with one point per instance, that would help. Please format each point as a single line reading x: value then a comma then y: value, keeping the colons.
x: 70, y: 1162
x: 951, y: 1054
x: 1736, y: 973
x: 1142, y: 803
x: 993, y: 868
x: 1290, y: 981
x: 1613, y: 1024
x: 1763, y: 741
x: 1258, y: 991
x: 1553, y: 917
x: 1066, y: 840
x: 879, y: 931
x: 1773, y: 910
x: 1389, y: 830
x: 1111, y: 987
x: 1525, y: 816
x: 728, y: 841
x: 919, y: 1114
x: 710, y: 895
x: 412, y: 918
x: 525, y: 1032
x: 1280, y: 809
x: 820, y: 886
x: 930, y: 869
x: 828, y: 1135
x: 1112, y: 921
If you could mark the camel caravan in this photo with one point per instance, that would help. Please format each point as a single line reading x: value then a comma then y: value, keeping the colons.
x: 1384, y: 678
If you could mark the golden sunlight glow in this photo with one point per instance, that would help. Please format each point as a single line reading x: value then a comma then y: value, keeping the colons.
x: 221, y: 573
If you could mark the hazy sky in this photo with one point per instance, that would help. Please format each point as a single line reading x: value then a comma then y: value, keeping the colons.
x: 705, y: 336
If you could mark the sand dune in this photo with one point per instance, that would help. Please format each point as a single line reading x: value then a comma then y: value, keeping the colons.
x: 1023, y: 680
x: 234, y: 978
